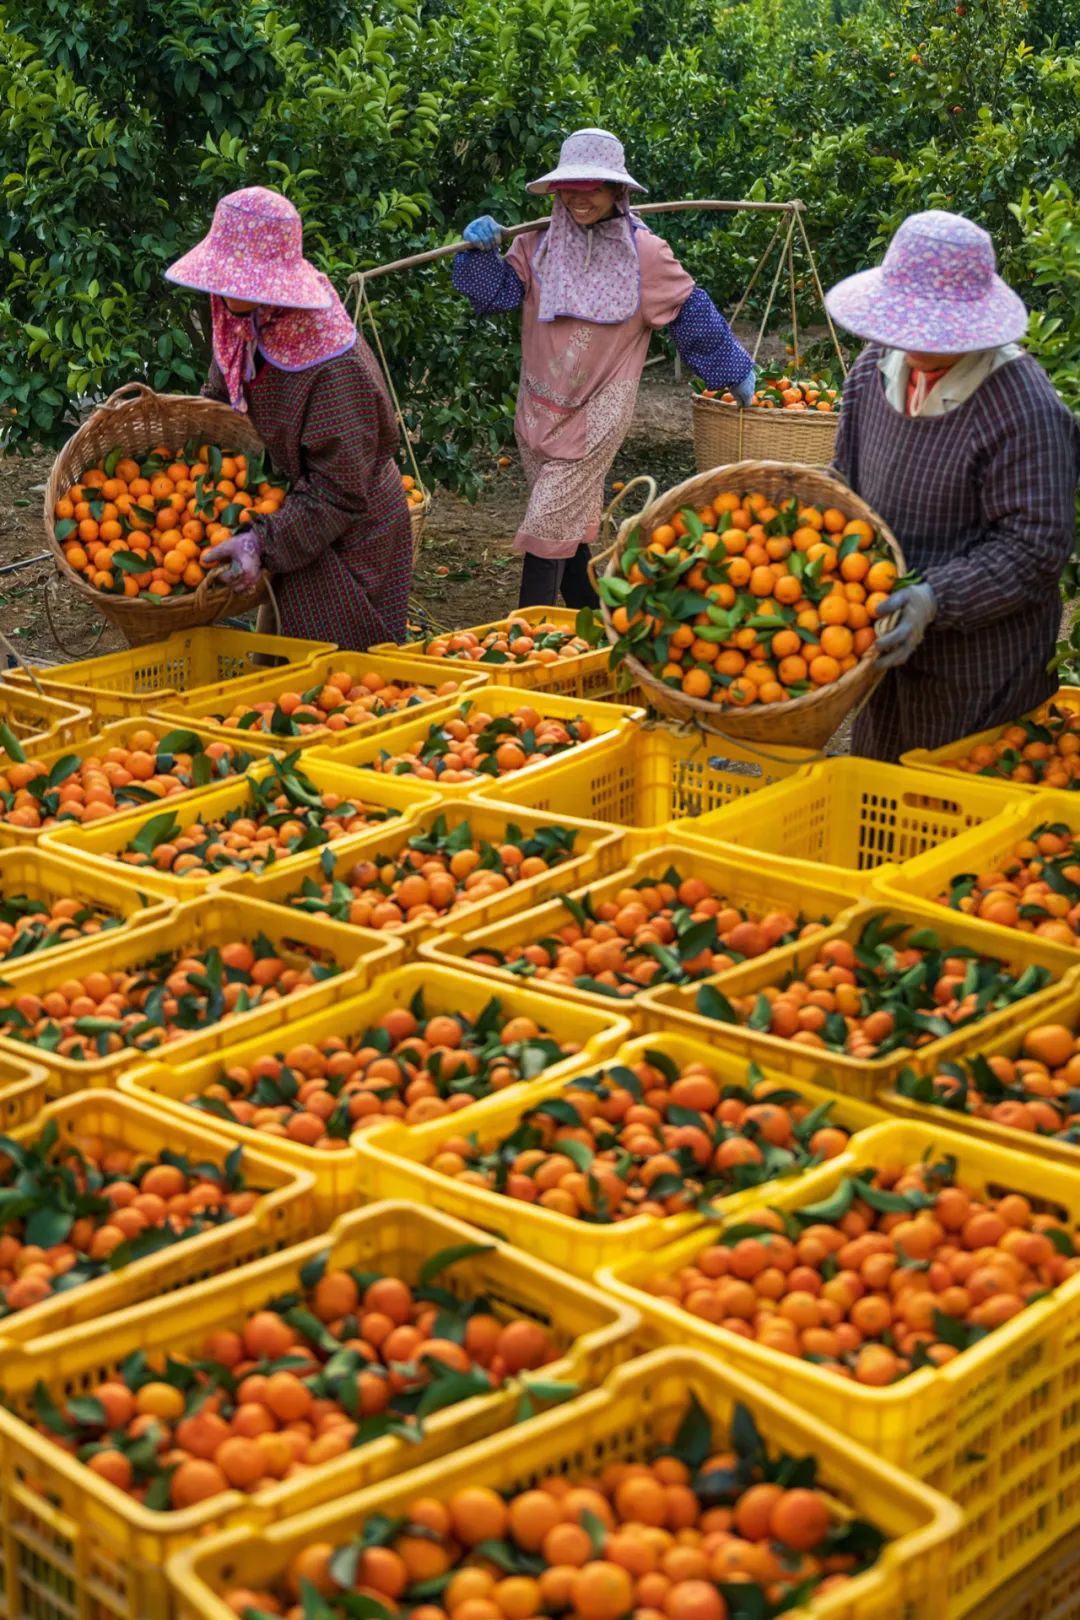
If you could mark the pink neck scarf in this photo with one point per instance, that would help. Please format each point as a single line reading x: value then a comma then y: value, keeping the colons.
x: 290, y: 339
x: 588, y: 273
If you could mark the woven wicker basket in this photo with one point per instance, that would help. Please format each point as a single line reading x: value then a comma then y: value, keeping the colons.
x: 726, y: 433
x: 135, y: 418
x: 803, y: 722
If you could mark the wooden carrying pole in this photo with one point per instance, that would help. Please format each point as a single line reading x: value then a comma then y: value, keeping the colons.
x: 416, y: 259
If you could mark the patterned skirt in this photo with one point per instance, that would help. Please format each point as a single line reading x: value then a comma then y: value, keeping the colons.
x: 566, y: 498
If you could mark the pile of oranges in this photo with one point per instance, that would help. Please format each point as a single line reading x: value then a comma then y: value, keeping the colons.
x: 1037, y: 1092
x: 1036, y: 889
x: 31, y: 923
x: 138, y: 525
x: 903, y: 1266
x: 361, y: 1352
x: 473, y: 743
x: 897, y: 986
x: 650, y: 1139
x: 747, y: 602
x: 684, y: 1533
x: 87, y: 786
x: 1044, y: 752
x: 285, y: 814
x: 344, y: 699
x: 785, y: 394
x: 408, y: 1065
x: 92, y: 1205
x: 413, y: 493
x: 669, y: 929
x: 516, y: 641
x: 104, y: 1011
x: 439, y: 871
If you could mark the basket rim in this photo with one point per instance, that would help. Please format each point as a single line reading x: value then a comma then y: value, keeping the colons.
x: 849, y: 685
x: 825, y: 419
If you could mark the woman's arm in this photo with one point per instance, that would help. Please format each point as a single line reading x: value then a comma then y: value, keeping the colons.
x: 707, y: 345
x: 340, y: 445
x: 488, y: 282
x: 1028, y: 490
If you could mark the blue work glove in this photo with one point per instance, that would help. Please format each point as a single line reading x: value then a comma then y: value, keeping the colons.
x: 744, y: 390
x: 484, y: 232
x: 241, y: 556
x: 917, y: 607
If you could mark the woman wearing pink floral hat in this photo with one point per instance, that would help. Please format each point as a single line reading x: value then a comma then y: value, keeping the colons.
x: 592, y: 288
x: 339, y: 549
x: 957, y: 438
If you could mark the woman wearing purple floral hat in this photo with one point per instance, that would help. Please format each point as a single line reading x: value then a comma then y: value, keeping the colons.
x: 957, y: 438
x: 592, y: 288
x: 285, y: 350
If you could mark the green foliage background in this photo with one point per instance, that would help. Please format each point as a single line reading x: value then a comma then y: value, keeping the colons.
x: 393, y: 122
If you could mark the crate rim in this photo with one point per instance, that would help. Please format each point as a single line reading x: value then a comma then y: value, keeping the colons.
x: 943, y: 1515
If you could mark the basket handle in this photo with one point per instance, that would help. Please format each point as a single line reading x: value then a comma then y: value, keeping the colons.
x: 209, y: 581
x: 130, y: 392
x: 607, y: 522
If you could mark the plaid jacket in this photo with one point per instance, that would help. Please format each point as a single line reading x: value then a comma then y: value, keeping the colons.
x: 982, y: 500
x: 340, y: 548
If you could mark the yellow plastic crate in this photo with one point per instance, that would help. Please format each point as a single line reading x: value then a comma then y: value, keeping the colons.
x: 38, y: 721
x: 205, y: 713
x: 637, y: 1409
x: 196, y: 925
x: 994, y: 1429
x: 166, y: 1084
x: 1046, y: 1589
x: 1009, y: 1042
x: 97, y: 846
x: 394, y: 1164
x: 851, y: 817
x: 597, y: 849
x: 284, y: 1214
x: 23, y: 1091
x: 131, y: 682
x: 607, y: 720
x: 587, y: 676
x: 1067, y: 698
x: 675, y: 1006
x: 77, y: 1548
x: 116, y: 733
x: 984, y: 849
x: 759, y: 890
x: 647, y: 778
x: 42, y: 875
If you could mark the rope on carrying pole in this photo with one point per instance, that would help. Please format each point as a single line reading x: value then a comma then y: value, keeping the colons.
x: 364, y: 307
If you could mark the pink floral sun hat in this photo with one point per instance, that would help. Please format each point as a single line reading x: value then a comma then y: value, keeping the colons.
x: 254, y: 250
x: 937, y: 292
x: 588, y: 154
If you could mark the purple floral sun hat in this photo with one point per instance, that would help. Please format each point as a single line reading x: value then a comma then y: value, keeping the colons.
x: 254, y: 251
x: 588, y: 154
x: 937, y: 292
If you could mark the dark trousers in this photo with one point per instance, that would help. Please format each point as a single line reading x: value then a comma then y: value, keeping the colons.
x: 543, y: 579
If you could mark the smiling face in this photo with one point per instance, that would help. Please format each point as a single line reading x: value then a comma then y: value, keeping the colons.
x: 591, y: 206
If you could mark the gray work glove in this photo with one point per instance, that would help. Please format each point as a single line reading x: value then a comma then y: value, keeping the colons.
x: 917, y: 607
x: 744, y: 390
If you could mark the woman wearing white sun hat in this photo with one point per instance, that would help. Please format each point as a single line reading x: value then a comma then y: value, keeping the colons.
x: 592, y: 287
x: 957, y: 438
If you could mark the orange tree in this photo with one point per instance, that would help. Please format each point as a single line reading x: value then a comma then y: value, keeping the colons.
x: 392, y: 123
